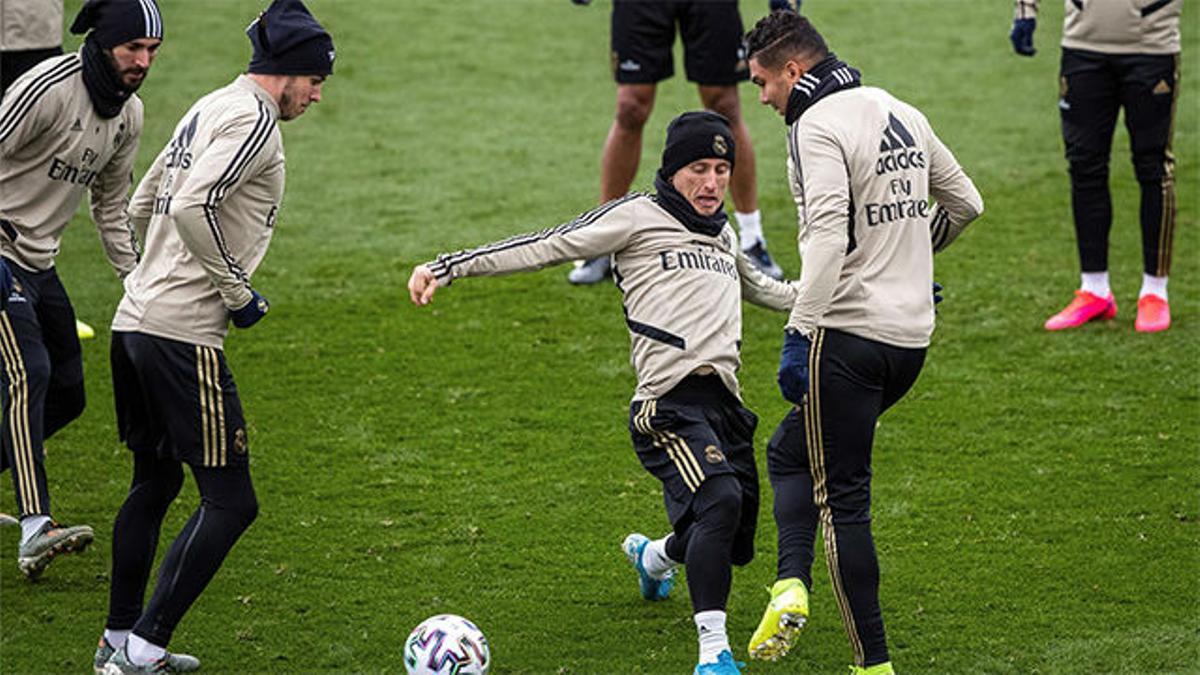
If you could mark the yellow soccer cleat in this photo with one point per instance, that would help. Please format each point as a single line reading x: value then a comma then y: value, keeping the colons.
x: 780, y: 626
x: 84, y: 331
x: 884, y: 668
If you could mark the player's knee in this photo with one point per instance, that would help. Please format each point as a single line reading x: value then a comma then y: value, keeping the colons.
x: 245, y: 507
x: 724, y: 101
x: 1089, y: 171
x: 1150, y: 167
x: 63, y: 406
x: 633, y: 111
x: 743, y: 553
x: 719, y: 503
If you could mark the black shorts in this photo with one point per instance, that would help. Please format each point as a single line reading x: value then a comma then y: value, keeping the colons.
x: 178, y: 401
x: 695, y: 431
x: 643, y: 32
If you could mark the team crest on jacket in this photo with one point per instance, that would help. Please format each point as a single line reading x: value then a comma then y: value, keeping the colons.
x: 713, y: 455
x: 720, y: 146
x: 239, y: 441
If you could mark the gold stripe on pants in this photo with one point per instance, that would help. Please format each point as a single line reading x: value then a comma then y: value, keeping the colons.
x: 212, y: 406
x: 18, y: 417
x: 816, y: 459
x: 676, y: 448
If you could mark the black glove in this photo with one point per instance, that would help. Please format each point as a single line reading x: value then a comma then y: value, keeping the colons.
x: 582, y: 2
x: 250, y: 313
x: 793, y: 366
x: 1022, y: 36
x: 790, y: 5
x: 6, y: 284
x: 937, y: 294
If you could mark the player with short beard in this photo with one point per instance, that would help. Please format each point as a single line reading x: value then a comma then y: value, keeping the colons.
x: 682, y: 276
x: 206, y: 209
x: 69, y: 125
x: 863, y: 167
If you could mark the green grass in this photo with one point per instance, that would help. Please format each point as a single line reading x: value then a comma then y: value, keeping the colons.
x: 1037, y: 496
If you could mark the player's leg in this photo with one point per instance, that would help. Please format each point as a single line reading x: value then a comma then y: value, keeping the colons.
x: 227, y: 507
x: 715, y: 59
x: 676, y: 442
x: 642, y: 34
x: 852, y: 380
x: 155, y: 484
x: 1149, y: 92
x: 1088, y: 106
x: 197, y: 399
x: 796, y: 524
x: 28, y: 374
x: 65, y: 398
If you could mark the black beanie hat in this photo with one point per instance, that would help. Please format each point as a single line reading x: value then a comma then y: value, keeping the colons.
x: 115, y: 22
x: 696, y: 135
x: 288, y: 40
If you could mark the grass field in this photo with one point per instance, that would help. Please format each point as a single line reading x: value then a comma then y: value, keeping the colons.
x: 1037, y: 496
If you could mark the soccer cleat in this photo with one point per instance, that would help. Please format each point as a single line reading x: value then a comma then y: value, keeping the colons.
x: 652, y: 589
x: 1153, y: 315
x: 786, y: 614
x: 118, y: 663
x: 762, y: 260
x: 884, y: 668
x: 7, y: 520
x: 725, y: 665
x: 104, y: 652
x: 35, y: 555
x: 1084, y: 308
x: 590, y: 272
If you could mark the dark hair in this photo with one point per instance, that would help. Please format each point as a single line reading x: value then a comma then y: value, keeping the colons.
x: 781, y: 35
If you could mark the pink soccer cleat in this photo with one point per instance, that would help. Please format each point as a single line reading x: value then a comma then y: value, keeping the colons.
x: 1154, y: 314
x: 1084, y: 308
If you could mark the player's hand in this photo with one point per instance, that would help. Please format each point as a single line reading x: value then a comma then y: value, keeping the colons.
x: 582, y: 2
x: 250, y: 313
x: 793, y: 366
x: 422, y: 285
x: 6, y: 284
x: 937, y: 294
x: 1022, y: 36
x: 789, y: 5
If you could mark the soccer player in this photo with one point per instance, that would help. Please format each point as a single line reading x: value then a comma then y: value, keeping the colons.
x: 207, y: 209
x: 862, y: 167
x: 683, y: 276
x: 642, y: 35
x: 69, y: 125
x: 1116, y: 54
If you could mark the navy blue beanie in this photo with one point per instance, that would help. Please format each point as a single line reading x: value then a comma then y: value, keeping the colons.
x: 288, y: 40
x: 115, y: 22
x: 696, y: 135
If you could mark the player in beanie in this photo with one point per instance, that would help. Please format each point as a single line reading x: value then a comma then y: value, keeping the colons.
x: 207, y: 210
x: 683, y: 275
x: 67, y: 126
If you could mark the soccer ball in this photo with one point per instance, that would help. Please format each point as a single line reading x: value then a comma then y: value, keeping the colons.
x: 446, y: 644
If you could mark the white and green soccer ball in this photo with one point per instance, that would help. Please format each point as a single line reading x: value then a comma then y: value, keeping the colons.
x: 446, y: 644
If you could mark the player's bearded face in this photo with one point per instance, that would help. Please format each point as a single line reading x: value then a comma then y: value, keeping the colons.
x: 131, y: 61
x: 703, y: 184
x: 299, y: 92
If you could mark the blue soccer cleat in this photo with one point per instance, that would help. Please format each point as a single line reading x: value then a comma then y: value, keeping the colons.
x: 652, y: 589
x: 725, y: 665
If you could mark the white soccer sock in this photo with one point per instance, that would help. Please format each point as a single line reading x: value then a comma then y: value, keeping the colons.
x: 116, y: 638
x: 31, y: 525
x: 142, y: 652
x: 655, y: 560
x: 750, y: 225
x: 1095, y: 283
x: 1152, y: 285
x: 713, y: 640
